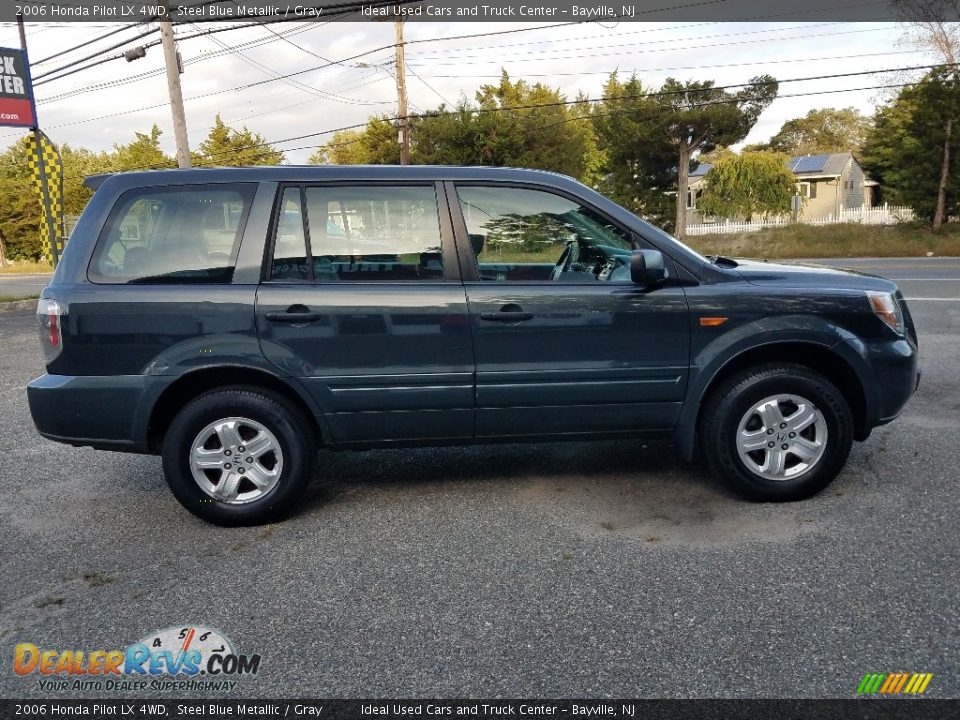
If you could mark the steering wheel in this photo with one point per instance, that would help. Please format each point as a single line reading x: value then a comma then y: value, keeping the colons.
x: 567, y: 258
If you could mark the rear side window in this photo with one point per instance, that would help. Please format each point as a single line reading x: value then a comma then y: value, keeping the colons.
x: 336, y: 233
x: 185, y: 234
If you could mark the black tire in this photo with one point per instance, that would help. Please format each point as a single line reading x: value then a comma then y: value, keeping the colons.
x: 292, y: 431
x: 729, y: 403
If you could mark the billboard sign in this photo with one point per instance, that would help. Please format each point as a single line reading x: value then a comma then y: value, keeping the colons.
x: 16, y: 95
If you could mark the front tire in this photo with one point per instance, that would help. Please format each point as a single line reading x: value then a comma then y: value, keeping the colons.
x: 239, y: 456
x: 777, y: 432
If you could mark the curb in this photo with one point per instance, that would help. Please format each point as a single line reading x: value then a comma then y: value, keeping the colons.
x: 15, y: 305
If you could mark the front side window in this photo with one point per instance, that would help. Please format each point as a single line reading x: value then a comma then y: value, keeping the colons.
x: 530, y: 235
x: 186, y: 234
x: 372, y: 233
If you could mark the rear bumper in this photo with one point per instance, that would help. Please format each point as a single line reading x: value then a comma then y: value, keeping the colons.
x: 92, y: 411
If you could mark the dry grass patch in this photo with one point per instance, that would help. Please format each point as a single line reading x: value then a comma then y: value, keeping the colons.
x: 842, y: 240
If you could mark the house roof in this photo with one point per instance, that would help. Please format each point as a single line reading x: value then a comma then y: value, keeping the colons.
x: 701, y: 170
x: 831, y: 165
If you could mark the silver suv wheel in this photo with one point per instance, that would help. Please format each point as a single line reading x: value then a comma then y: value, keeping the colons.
x: 781, y: 437
x: 236, y: 460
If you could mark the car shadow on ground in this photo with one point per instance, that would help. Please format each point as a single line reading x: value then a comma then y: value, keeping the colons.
x: 635, y: 489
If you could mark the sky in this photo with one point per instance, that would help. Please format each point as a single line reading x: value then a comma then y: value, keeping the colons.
x: 107, y: 104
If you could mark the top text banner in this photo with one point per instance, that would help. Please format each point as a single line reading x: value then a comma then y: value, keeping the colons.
x: 558, y: 11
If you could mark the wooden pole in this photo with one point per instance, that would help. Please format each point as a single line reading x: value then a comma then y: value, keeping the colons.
x: 173, y: 86
x: 402, y: 97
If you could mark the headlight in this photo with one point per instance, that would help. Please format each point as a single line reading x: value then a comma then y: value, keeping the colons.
x: 886, y: 307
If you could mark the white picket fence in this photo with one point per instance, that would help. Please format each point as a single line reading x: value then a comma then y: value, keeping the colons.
x: 883, y: 215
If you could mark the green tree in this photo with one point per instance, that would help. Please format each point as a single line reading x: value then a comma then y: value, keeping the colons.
x: 749, y: 184
x: 225, y: 145
x: 651, y: 138
x: 20, y: 219
x: 142, y: 153
x: 639, y: 164
x: 449, y: 136
x: 344, y: 148
x: 375, y: 144
x: 913, y: 150
x: 78, y: 163
x: 720, y: 152
x: 532, y: 126
x: 697, y: 116
x: 511, y: 123
x: 827, y: 130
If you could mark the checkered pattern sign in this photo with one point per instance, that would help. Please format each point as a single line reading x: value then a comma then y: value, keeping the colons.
x: 46, y: 169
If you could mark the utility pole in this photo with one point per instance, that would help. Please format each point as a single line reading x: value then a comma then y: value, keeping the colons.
x: 173, y: 85
x: 404, y: 137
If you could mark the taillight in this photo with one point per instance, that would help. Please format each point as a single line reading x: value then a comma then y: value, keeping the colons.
x: 49, y: 314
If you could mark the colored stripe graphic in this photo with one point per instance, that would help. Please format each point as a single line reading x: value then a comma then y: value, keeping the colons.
x: 889, y: 683
x: 870, y: 683
x: 894, y: 683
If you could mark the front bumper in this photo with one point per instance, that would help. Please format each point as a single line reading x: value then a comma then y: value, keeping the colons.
x: 897, y: 371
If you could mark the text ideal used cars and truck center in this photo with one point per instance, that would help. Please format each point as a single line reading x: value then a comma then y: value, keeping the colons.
x: 235, y: 320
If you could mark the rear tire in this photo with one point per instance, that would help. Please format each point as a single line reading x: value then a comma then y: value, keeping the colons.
x: 239, y: 456
x: 776, y: 432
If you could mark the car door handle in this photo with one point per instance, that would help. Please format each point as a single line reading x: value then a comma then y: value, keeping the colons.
x: 509, y: 316
x: 302, y: 316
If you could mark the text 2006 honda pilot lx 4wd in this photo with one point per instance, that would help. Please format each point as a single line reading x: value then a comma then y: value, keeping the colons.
x: 233, y: 320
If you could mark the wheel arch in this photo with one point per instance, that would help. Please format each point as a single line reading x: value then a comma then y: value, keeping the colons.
x: 196, y: 382
x: 815, y: 356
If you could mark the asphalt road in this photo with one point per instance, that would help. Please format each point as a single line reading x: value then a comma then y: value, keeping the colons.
x: 589, y: 569
x: 22, y: 285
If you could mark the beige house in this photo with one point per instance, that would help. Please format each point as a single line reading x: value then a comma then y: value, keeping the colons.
x: 828, y: 184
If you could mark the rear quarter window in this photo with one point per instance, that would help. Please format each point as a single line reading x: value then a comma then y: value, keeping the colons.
x: 183, y: 234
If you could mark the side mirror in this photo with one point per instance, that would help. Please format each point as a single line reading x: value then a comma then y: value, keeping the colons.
x: 646, y: 267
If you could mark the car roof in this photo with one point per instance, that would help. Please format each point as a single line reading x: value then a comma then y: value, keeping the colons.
x: 306, y: 173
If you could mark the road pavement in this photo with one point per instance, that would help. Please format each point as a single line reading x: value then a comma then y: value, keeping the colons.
x: 22, y: 285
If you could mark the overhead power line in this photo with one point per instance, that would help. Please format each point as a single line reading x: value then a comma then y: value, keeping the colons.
x: 87, y: 43
x: 295, y: 30
x: 561, y: 103
x: 713, y: 66
x: 151, y: 31
x: 339, y: 10
x: 201, y: 96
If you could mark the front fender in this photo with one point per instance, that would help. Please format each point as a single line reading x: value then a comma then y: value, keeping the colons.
x: 713, y: 355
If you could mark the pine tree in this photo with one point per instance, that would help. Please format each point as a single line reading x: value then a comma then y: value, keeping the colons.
x: 226, y: 146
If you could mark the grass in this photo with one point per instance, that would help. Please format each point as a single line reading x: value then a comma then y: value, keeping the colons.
x: 548, y: 255
x: 26, y: 266
x: 14, y: 298
x: 842, y: 240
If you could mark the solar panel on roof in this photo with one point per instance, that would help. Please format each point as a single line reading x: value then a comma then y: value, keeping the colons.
x: 809, y: 164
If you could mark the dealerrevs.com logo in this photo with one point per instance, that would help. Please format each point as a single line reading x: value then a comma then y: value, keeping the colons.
x: 191, y: 658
